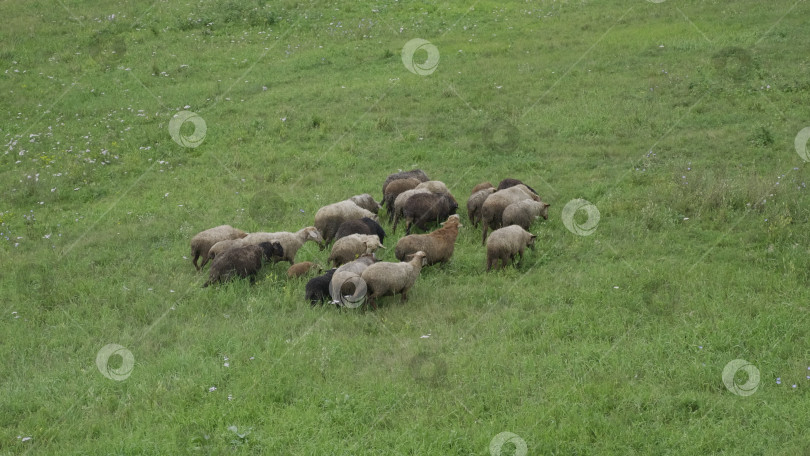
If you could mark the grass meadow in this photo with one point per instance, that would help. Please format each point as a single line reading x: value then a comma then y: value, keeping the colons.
x: 682, y: 122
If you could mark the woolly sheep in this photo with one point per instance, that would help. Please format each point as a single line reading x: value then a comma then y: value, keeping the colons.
x: 222, y: 246
x: 384, y: 278
x: 401, y: 200
x: 244, y: 261
x: 394, y: 188
x: 329, y: 218
x: 352, y: 246
x: 290, y: 242
x: 475, y: 202
x: 494, y: 205
x: 317, y: 288
x: 366, y: 201
x: 508, y: 182
x: 505, y: 243
x: 436, y: 187
x: 202, y: 242
x: 481, y: 186
x: 361, y: 226
x: 345, y: 280
x: 438, y: 245
x: 423, y: 209
x: 301, y: 269
x: 415, y: 173
x: 524, y: 212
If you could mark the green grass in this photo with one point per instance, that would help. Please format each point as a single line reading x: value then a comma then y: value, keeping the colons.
x: 676, y: 119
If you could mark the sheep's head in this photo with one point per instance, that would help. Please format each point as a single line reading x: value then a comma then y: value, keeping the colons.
x: 530, y: 242
x: 544, y: 210
x: 453, y: 220
x: 421, y: 257
x: 372, y: 242
x: 314, y: 235
x: 271, y: 250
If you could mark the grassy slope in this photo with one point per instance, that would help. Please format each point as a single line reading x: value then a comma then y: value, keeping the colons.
x: 553, y: 351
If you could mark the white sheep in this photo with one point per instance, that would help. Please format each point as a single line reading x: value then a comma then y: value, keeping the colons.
x: 202, y: 242
x: 352, y: 246
x: 524, y: 212
x: 383, y: 279
x: 329, y: 218
x: 506, y: 243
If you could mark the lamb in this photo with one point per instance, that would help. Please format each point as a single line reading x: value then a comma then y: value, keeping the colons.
x: 415, y: 173
x: 362, y: 226
x: 329, y: 218
x: 244, y: 261
x: 366, y: 201
x: 393, y: 189
x: 346, y: 286
x: 301, y: 269
x: 384, y: 278
x: 201, y: 243
x: 438, y: 245
x: 508, y: 182
x: 352, y: 246
x: 423, y: 209
x: 290, y: 242
x: 317, y: 288
x: 481, y: 186
x: 505, y: 243
x: 401, y: 200
x: 494, y: 205
x: 524, y: 212
x: 475, y: 202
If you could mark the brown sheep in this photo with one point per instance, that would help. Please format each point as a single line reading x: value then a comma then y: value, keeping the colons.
x: 394, y: 188
x: 480, y: 187
x: 506, y: 243
x: 303, y: 268
x: 204, y: 240
x: 244, y: 261
x: 415, y: 173
x: 401, y: 200
x: 383, y: 278
x: 493, y: 207
x: 423, y: 209
x: 524, y: 212
x: 438, y: 245
x: 475, y: 202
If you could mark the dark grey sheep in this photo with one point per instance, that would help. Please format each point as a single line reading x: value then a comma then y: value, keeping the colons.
x: 364, y: 225
x: 415, y: 173
x: 317, y: 289
x: 425, y: 209
x: 243, y: 261
x: 394, y: 188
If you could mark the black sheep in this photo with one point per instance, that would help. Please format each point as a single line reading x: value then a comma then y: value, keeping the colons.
x: 424, y: 209
x: 243, y: 261
x: 364, y: 225
x: 317, y: 288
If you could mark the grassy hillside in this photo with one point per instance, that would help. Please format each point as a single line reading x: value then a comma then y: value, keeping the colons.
x: 677, y: 120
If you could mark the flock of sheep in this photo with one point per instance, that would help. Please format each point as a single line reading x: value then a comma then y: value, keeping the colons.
x: 357, y: 276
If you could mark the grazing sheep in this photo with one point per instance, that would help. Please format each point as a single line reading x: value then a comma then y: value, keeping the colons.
x: 360, y: 264
x: 494, y: 205
x: 222, y: 246
x: 475, y: 202
x: 438, y: 245
x: 524, y: 212
x: 290, y: 242
x: 204, y: 240
x: 393, y: 189
x: 505, y: 243
x: 481, y: 186
x: 506, y: 183
x: 244, y: 261
x: 362, y: 226
x: 317, y: 289
x: 436, y: 187
x: 329, y: 218
x: 384, y: 278
x: 424, y: 209
x: 415, y: 173
x: 401, y: 200
x: 303, y: 268
x: 352, y: 246
x: 366, y: 201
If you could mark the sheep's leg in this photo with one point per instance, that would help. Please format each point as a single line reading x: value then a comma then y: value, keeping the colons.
x: 485, y: 226
x: 408, y: 225
x: 404, y: 295
x: 194, y: 261
x: 204, y: 262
